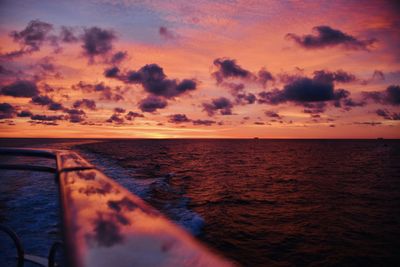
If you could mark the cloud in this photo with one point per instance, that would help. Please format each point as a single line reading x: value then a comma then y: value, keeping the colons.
x: 75, y: 115
x: 112, y: 72
x: 119, y: 110
x: 203, y: 122
x: 118, y: 57
x: 67, y: 35
x: 166, y: 33
x: 116, y: 119
x: 314, y: 108
x: 20, y: 88
x: 272, y: 114
x: 388, y: 115
x: 31, y: 38
x: 339, y: 76
x: 155, y: 82
x: 152, y: 103
x: 88, y: 103
x: 303, y: 90
x: 325, y: 36
x: 47, y: 117
x: 228, y: 68
x: 105, y: 91
x: 368, y: 123
x: 348, y: 103
x: 245, y: 98
x: 24, y: 113
x: 7, y: 111
x: 264, y: 77
x: 97, y: 42
x: 132, y: 115
x: 222, y: 104
x: 44, y: 100
x: 378, y: 75
x: 178, y: 118
x: 391, y: 96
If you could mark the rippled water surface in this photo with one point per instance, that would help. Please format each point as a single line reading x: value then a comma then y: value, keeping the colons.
x: 269, y: 202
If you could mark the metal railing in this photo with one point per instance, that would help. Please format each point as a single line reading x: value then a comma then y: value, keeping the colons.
x: 104, y: 224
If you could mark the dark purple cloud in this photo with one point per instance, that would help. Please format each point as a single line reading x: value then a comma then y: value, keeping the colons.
x: 339, y: 76
x: 378, y: 75
x: 166, y: 33
x: 245, y: 98
x: 325, y: 36
x: 97, y: 42
x: 75, y: 115
x: 47, y: 117
x: 388, y: 115
x: 222, y: 104
x: 76, y: 118
x: 132, y: 115
x: 31, y: 38
x: 105, y: 91
x: 112, y: 72
x: 303, y: 90
x: 178, y: 118
x: 390, y: 96
x: 264, y: 77
x: 155, y: 82
x: 67, y: 35
x: 118, y: 57
x: 203, y: 122
x: 314, y: 107
x: 348, y: 103
x: 115, y: 118
x: 74, y: 111
x: 119, y: 110
x: 20, y: 88
x: 24, y: 113
x: 228, y: 68
x: 272, y: 114
x: 368, y: 123
x: 44, y: 100
x: 152, y: 103
x: 7, y: 111
x: 88, y: 103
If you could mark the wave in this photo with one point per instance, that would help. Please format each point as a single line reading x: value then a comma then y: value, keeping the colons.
x: 153, y: 190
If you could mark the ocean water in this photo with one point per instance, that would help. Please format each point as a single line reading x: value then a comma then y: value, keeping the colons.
x: 258, y: 202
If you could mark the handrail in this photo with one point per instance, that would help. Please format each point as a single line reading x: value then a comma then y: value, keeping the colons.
x: 106, y: 225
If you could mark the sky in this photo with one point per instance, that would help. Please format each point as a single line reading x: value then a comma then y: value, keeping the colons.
x: 207, y: 69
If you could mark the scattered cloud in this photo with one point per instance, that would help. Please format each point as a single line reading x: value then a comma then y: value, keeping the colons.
x: 97, y: 42
x: 87, y: 103
x: 222, y: 104
x: 152, y: 103
x: 391, y: 96
x: 115, y: 118
x: 303, y: 90
x: 166, y: 33
x: 20, y: 88
x: 178, y: 118
x: 325, y: 36
x: 30, y: 39
x: 7, y: 111
x: 388, y: 115
x: 156, y: 83
x: 203, y: 122
x: 228, y: 68
x: 132, y: 115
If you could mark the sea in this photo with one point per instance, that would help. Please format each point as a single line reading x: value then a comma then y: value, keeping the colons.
x: 258, y: 202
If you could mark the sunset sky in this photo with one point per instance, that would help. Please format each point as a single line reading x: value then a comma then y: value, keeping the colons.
x: 207, y: 69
